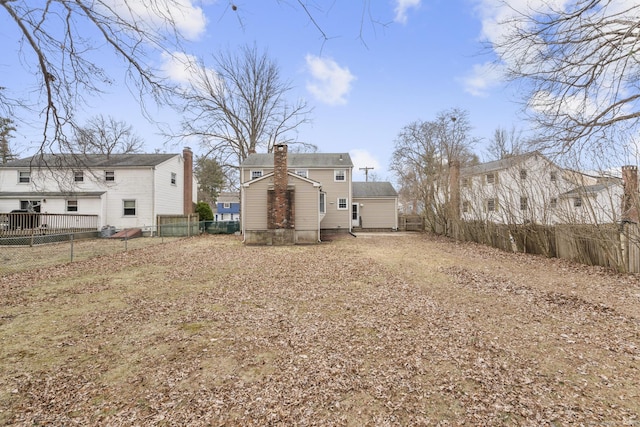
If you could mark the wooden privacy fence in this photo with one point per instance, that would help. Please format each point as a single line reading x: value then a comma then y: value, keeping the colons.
x: 609, y: 245
x: 178, y: 225
x: 410, y: 223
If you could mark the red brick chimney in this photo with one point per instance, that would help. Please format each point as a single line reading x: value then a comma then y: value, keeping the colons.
x: 630, y: 196
x: 281, y: 199
x: 187, y: 156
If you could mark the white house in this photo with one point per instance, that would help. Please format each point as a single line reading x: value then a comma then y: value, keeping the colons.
x: 530, y: 188
x: 123, y: 190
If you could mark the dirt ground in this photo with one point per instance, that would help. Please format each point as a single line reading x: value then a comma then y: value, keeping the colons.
x: 378, y: 330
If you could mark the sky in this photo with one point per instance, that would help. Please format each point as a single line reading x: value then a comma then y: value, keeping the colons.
x: 382, y: 65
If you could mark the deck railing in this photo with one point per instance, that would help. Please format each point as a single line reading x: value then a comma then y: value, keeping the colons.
x: 30, y: 223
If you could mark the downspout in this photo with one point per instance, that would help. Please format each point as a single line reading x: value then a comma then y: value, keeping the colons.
x: 153, y: 199
x: 242, y: 207
x: 350, y: 202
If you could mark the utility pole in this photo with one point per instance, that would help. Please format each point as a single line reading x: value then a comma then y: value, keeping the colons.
x: 366, y: 172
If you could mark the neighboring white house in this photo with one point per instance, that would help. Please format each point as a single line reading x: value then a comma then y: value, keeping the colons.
x: 530, y: 188
x: 123, y: 190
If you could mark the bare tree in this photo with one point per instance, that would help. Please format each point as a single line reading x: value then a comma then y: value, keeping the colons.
x: 579, y: 63
x: 105, y: 136
x: 58, y: 41
x: 506, y: 144
x: 423, y: 154
x: 240, y: 107
x: 7, y: 127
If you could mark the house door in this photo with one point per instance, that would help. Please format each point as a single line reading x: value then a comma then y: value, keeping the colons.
x: 355, y: 215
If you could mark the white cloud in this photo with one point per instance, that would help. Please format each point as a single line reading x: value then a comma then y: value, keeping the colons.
x: 189, y: 73
x: 361, y: 159
x: 482, y: 78
x: 401, y: 9
x: 153, y: 15
x: 331, y: 83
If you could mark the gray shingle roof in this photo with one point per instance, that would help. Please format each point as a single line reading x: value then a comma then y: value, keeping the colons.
x: 89, y: 160
x: 373, y: 189
x: 496, y: 164
x: 301, y: 160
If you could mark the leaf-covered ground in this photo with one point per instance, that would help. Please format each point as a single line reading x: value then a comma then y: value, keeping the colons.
x: 376, y: 330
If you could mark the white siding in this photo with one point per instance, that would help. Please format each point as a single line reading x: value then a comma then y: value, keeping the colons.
x: 378, y: 213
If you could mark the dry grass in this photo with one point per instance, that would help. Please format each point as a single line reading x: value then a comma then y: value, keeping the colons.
x: 378, y: 330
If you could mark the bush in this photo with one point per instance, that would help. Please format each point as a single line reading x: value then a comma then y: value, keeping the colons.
x: 204, y: 210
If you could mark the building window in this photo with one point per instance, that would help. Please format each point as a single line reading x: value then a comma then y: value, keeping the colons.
x: 523, y: 174
x: 226, y: 205
x: 490, y: 178
x: 129, y: 207
x: 465, y: 207
x: 72, y: 206
x: 466, y: 182
x: 323, y: 202
x: 342, y: 203
x: 553, y: 176
x: 577, y: 202
x: 340, y: 175
x: 491, y: 205
x: 553, y: 203
x: 256, y: 174
x: 173, y: 178
x: 78, y: 176
x: 302, y: 172
x: 30, y: 205
x: 524, y: 203
x: 109, y: 176
x: 24, y: 177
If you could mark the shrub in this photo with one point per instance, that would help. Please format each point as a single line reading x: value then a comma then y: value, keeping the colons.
x: 204, y: 210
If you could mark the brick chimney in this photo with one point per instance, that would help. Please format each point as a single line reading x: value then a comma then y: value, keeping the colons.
x: 187, y: 156
x: 281, y: 199
x: 630, y: 196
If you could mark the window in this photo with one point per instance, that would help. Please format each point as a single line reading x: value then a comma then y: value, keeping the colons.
x: 24, y: 177
x: 256, y: 174
x: 524, y: 203
x: 523, y: 174
x: 553, y: 176
x: 129, y: 207
x: 323, y: 202
x: 109, y: 176
x: 226, y: 205
x: 490, y: 178
x: 342, y: 203
x: 78, y: 176
x: 465, y: 207
x: 72, y: 206
x: 553, y: 203
x: 30, y: 205
x: 340, y: 175
x: 466, y: 182
x: 577, y: 202
x: 302, y: 172
x: 491, y: 205
x: 173, y: 178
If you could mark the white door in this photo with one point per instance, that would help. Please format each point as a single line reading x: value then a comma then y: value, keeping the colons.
x: 355, y: 215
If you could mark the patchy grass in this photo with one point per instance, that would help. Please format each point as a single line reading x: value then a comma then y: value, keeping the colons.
x: 375, y: 330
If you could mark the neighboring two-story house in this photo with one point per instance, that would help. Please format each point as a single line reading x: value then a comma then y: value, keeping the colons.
x: 123, y: 190
x: 530, y: 188
x: 227, y: 207
x: 290, y: 198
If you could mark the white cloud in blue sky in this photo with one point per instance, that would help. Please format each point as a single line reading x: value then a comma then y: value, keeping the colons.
x: 483, y: 78
x: 402, y: 6
x: 330, y: 82
x: 361, y: 159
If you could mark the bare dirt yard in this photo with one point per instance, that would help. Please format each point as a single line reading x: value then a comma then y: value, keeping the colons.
x: 378, y: 330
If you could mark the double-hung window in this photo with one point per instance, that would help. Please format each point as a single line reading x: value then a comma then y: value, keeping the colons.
x: 109, y: 176
x: 78, y: 176
x: 72, y: 206
x: 256, y: 174
x: 129, y: 207
x: 342, y: 203
x: 173, y: 178
x: 24, y: 177
x: 340, y: 175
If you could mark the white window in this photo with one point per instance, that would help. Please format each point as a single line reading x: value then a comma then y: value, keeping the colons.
x: 302, y: 172
x: 523, y: 174
x: 553, y: 203
x: 24, y: 177
x: 466, y: 182
x: 109, y: 176
x: 340, y: 175
x: 524, y: 203
x: 577, y: 202
x: 256, y: 174
x: 342, y: 203
x: 72, y: 206
x: 173, y: 178
x: 491, y: 205
x: 78, y: 176
x: 226, y: 205
x: 129, y: 207
x: 490, y: 178
x: 323, y: 202
x: 553, y: 176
